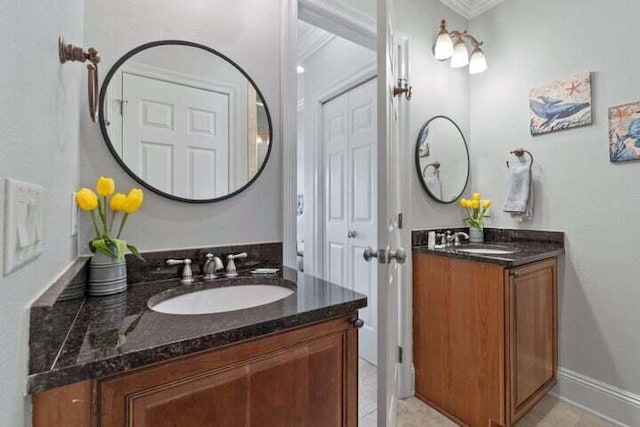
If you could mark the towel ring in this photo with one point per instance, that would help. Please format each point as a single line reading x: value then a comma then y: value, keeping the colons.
x: 519, y: 152
x: 434, y: 165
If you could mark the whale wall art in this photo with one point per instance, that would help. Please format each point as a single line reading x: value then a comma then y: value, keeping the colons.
x: 624, y: 132
x: 563, y: 104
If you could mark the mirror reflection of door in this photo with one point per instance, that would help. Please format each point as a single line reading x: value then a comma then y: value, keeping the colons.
x: 176, y: 137
x: 185, y: 121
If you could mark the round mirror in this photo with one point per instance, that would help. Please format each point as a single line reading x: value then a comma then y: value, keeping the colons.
x: 442, y: 159
x: 185, y: 121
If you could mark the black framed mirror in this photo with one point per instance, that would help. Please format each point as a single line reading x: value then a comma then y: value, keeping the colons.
x: 185, y: 121
x: 442, y: 159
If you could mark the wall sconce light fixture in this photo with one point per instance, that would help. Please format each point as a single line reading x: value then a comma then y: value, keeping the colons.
x: 69, y: 52
x: 453, y: 45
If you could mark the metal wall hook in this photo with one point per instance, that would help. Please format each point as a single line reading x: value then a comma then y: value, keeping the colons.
x: 403, y: 87
x: 70, y: 53
x: 519, y: 152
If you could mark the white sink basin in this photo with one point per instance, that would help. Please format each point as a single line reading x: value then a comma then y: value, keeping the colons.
x: 487, y: 251
x: 221, y: 300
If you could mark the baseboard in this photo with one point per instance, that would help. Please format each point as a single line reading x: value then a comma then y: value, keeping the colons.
x: 618, y: 406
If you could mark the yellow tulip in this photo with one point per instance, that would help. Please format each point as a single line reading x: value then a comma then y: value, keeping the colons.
x: 476, y: 196
x: 462, y: 202
x: 86, y: 199
x: 134, y: 201
x: 105, y: 186
x: 117, y: 202
x: 475, y: 204
x: 486, y: 204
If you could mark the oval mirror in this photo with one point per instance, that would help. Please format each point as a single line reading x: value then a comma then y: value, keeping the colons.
x: 442, y: 159
x: 185, y: 121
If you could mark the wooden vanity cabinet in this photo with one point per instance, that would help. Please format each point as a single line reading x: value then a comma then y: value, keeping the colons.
x: 485, y: 337
x: 308, y: 376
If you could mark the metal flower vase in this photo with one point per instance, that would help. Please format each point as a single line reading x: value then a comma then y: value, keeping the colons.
x: 476, y: 235
x: 107, y: 275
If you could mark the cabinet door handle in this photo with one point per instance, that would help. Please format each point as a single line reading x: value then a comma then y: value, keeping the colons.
x: 514, y: 274
x: 357, y: 323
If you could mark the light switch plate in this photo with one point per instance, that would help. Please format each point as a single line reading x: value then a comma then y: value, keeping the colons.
x: 23, y: 224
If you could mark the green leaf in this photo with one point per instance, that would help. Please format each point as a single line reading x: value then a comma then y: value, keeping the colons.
x: 135, y: 251
x: 100, y: 245
x: 121, y: 248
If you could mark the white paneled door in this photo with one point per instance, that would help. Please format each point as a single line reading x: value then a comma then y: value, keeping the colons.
x: 176, y: 137
x: 389, y: 254
x: 350, y: 200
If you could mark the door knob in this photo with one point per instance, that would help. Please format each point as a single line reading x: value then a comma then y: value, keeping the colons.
x: 400, y: 255
x: 369, y: 253
x: 351, y: 234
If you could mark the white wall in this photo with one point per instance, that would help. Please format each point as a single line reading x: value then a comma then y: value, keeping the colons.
x: 438, y: 89
x: 580, y: 192
x: 335, y: 62
x: 247, y: 32
x: 39, y: 123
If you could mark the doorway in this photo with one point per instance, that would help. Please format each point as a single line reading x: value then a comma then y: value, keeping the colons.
x: 349, y: 141
x: 337, y: 178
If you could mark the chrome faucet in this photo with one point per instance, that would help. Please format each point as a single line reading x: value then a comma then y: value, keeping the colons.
x: 456, y: 237
x: 211, y: 265
x: 187, y: 274
x: 231, y: 265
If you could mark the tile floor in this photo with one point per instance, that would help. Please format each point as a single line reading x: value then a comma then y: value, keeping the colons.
x: 550, y: 412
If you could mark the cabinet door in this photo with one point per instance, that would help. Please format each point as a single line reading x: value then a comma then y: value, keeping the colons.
x: 458, y: 338
x: 303, y: 384
x: 532, y: 334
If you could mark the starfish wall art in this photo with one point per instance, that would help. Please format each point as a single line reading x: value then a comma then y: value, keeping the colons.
x: 562, y: 104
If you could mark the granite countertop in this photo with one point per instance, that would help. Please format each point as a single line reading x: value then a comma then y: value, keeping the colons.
x: 118, y: 333
x: 529, y: 245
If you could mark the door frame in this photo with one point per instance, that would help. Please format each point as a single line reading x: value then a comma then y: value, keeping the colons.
x: 314, y: 264
x: 406, y: 380
x: 337, y: 18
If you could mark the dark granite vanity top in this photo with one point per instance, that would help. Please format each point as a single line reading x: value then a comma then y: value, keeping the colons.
x: 529, y: 246
x: 114, y: 334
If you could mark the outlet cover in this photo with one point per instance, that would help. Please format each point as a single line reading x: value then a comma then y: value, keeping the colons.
x: 23, y: 224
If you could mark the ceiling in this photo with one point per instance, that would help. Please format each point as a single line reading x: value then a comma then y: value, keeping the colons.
x: 471, y: 8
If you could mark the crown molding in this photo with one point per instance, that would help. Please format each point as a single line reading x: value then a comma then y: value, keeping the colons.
x: 471, y: 8
x: 314, y: 40
x: 481, y: 6
x: 462, y: 7
x: 341, y: 19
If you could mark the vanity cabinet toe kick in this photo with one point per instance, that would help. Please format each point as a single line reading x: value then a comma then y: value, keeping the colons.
x: 305, y: 376
x: 485, y: 337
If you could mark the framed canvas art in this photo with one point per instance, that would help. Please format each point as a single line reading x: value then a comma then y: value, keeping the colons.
x: 624, y: 132
x: 562, y: 104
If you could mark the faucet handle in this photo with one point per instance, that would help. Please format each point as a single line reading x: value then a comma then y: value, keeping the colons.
x: 187, y: 274
x: 231, y: 265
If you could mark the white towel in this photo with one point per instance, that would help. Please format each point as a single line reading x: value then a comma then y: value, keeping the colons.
x: 519, y: 199
x: 434, y: 185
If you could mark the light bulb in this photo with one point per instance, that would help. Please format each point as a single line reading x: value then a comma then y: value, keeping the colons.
x: 460, y: 56
x: 300, y: 69
x: 444, y: 46
x: 478, y: 62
